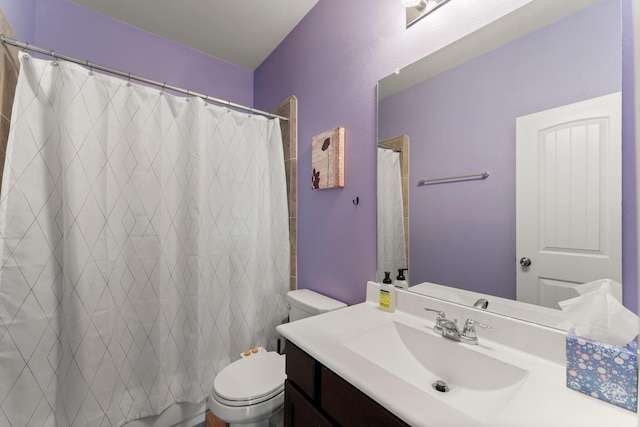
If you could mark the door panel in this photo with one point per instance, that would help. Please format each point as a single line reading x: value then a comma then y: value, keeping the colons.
x: 569, y: 196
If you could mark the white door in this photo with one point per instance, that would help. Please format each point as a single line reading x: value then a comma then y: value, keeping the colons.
x: 568, y: 199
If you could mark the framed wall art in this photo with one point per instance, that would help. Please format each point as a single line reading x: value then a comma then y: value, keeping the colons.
x: 327, y: 159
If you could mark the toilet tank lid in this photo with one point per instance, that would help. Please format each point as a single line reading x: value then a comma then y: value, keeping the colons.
x: 313, y: 302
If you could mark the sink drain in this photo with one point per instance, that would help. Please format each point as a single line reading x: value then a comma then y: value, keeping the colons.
x: 440, y: 386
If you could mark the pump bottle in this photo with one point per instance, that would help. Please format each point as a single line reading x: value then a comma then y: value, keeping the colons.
x: 387, y: 294
x: 401, y: 281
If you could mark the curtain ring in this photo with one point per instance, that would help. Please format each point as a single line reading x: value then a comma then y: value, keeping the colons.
x: 90, y: 68
x: 25, y: 50
x: 52, y: 54
x: 129, y: 80
x: 162, y: 88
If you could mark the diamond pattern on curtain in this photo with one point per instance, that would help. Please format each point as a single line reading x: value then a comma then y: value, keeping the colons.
x: 145, y: 244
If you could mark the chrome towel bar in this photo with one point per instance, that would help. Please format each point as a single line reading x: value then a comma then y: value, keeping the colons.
x: 483, y: 175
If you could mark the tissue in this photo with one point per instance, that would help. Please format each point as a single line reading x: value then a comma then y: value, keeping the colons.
x: 597, y: 315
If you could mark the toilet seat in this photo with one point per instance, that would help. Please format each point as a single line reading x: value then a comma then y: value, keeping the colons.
x: 251, y: 380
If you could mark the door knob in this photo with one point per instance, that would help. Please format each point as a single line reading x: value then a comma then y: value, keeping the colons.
x: 525, y: 262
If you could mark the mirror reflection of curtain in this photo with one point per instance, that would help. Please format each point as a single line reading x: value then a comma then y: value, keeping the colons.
x: 391, y: 243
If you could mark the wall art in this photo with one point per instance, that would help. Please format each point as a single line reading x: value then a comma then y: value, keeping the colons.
x: 327, y: 159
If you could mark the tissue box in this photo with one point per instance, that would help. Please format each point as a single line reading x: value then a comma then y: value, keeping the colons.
x: 604, y: 371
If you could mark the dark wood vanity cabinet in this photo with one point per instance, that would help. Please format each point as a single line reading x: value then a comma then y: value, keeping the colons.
x: 300, y: 411
x: 315, y: 396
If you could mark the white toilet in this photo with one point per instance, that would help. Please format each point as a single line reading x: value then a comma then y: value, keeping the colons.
x: 250, y: 391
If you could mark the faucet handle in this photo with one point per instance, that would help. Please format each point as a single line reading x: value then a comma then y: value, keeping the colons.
x: 469, y: 329
x: 441, y: 320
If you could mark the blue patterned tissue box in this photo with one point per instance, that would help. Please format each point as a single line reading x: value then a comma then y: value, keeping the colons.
x: 604, y: 371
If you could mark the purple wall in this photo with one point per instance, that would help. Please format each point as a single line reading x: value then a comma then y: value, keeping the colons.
x: 21, y: 14
x: 332, y: 61
x: 629, y: 167
x: 77, y: 31
x: 463, y: 121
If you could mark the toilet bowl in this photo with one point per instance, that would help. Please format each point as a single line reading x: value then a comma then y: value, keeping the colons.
x: 250, y: 391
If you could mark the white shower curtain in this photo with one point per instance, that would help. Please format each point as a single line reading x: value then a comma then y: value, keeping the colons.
x: 391, y: 240
x: 145, y: 244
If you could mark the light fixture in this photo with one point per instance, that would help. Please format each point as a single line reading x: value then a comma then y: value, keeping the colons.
x: 418, y: 9
x: 418, y: 4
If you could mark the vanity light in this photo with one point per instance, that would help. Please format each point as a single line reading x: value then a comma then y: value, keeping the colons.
x: 418, y: 4
x: 418, y: 9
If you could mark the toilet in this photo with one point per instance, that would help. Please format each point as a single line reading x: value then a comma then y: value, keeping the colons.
x: 250, y: 391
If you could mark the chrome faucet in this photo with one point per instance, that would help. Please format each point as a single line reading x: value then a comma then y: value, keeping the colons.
x: 449, y: 328
x: 481, y: 303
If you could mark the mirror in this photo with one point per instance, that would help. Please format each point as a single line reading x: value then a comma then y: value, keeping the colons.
x: 457, y: 110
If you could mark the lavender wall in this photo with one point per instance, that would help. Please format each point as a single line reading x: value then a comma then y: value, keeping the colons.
x: 332, y: 61
x: 463, y: 121
x: 21, y: 14
x: 72, y: 29
x: 630, y: 254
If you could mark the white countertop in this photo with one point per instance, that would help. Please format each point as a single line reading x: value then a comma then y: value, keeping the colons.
x: 542, y: 400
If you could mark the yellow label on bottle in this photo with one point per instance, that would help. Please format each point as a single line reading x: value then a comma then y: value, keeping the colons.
x: 385, y: 299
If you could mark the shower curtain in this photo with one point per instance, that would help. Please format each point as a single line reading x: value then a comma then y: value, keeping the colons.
x: 391, y: 239
x: 145, y: 244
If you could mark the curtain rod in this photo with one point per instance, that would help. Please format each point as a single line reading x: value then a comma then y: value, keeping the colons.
x: 129, y: 76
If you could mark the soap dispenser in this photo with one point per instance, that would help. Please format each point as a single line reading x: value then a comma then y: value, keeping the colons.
x: 401, y: 281
x: 387, y: 294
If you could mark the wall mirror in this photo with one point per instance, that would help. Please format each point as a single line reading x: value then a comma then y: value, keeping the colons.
x: 461, y: 111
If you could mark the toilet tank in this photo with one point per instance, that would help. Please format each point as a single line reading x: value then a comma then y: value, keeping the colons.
x: 305, y: 303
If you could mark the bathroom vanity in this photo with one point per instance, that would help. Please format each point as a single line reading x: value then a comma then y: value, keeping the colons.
x: 314, y: 395
x: 363, y: 366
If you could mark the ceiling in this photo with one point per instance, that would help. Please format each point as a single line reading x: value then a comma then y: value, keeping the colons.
x: 243, y: 33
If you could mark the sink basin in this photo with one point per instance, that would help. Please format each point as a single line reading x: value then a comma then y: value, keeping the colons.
x: 480, y: 386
